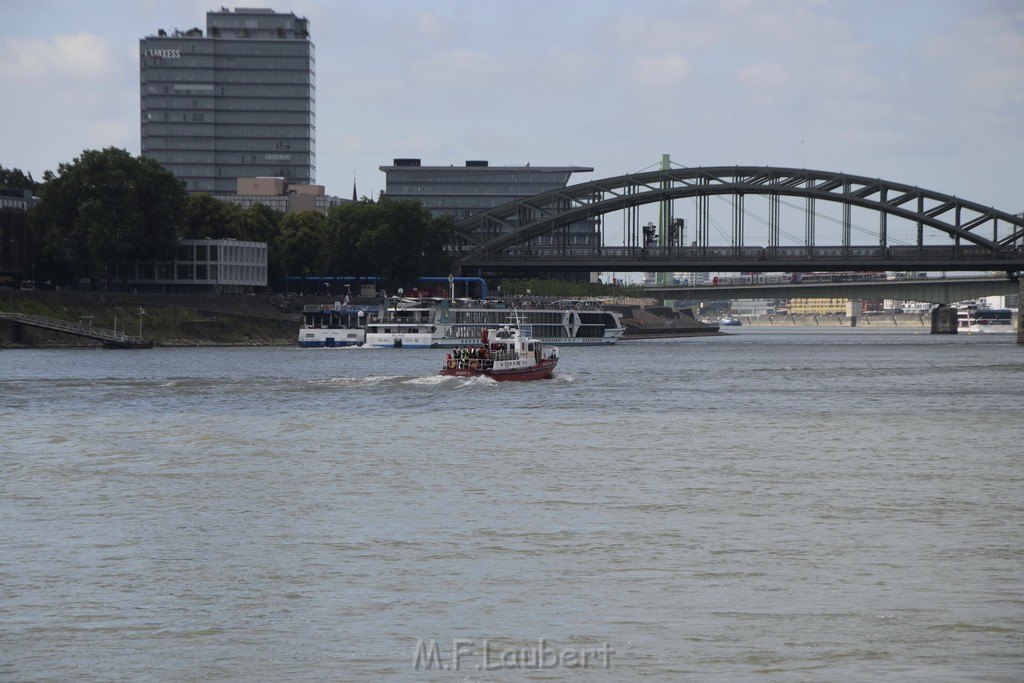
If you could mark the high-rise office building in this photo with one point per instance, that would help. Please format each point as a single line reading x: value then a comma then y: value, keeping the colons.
x: 237, y: 102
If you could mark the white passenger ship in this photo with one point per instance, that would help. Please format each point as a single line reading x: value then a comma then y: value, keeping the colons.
x: 566, y: 322
x: 334, y: 325
x: 976, y: 318
x: 422, y: 323
x: 403, y: 323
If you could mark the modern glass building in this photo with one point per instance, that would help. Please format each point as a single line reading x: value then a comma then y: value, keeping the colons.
x: 237, y: 102
x: 462, y: 191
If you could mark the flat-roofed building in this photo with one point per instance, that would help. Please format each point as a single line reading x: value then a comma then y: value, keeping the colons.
x: 280, y: 195
x: 224, y: 266
x: 462, y: 191
x: 819, y: 306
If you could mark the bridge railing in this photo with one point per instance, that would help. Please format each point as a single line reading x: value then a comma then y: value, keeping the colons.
x: 732, y: 254
x: 58, y: 325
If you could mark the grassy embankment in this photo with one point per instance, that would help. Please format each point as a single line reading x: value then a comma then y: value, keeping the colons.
x: 170, y: 320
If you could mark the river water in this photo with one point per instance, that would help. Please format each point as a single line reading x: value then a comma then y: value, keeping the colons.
x: 793, y: 505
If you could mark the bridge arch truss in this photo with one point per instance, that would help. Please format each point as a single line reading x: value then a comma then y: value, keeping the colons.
x: 487, y: 236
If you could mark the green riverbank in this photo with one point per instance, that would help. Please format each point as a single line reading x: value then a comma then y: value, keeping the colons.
x: 167, y: 319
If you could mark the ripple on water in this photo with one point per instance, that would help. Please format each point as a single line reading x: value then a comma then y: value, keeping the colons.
x: 785, y: 506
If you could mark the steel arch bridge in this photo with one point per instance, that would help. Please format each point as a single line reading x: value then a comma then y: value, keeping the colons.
x: 975, y: 237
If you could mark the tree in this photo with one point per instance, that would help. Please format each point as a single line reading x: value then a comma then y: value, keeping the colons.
x: 299, y: 243
x: 438, y: 259
x: 259, y: 223
x: 106, y: 210
x: 343, y: 227
x: 396, y: 240
x: 15, y: 179
x: 209, y: 218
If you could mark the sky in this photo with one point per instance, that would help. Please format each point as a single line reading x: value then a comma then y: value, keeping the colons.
x: 924, y: 92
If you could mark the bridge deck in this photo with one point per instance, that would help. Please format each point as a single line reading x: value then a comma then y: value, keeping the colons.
x: 750, y: 259
x: 932, y: 290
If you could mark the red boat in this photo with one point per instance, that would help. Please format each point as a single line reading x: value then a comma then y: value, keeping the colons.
x: 506, y: 353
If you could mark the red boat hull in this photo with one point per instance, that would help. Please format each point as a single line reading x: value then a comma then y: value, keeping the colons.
x: 541, y: 371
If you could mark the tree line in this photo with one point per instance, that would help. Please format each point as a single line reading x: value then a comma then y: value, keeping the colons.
x: 106, y: 210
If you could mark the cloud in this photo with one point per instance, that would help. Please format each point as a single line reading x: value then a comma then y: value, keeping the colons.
x: 563, y: 71
x: 663, y: 71
x: 72, y: 91
x: 658, y: 32
x: 434, y: 29
x: 414, y: 144
x: 461, y: 69
x: 764, y: 75
x: 83, y: 57
x: 994, y: 75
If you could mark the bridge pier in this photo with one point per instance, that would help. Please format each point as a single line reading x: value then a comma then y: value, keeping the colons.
x: 944, y: 320
x: 1020, y: 326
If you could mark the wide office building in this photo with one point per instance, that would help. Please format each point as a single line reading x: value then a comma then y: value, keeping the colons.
x: 237, y: 102
x: 461, y: 191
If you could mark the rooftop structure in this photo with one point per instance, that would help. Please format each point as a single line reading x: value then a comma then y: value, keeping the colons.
x: 280, y: 195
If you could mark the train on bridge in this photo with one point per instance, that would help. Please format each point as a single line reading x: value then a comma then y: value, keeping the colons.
x: 796, y: 278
